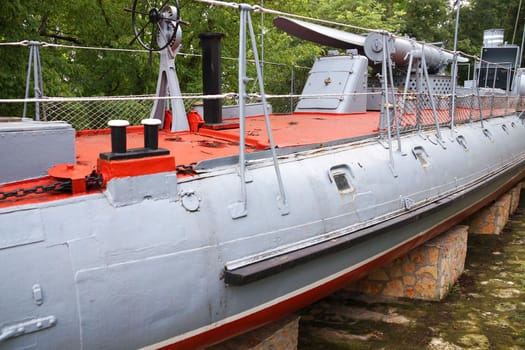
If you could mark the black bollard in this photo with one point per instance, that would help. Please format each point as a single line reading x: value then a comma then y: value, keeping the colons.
x: 118, y: 135
x: 211, y: 75
x: 151, y: 133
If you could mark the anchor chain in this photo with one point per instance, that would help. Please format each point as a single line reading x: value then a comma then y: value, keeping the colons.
x: 94, y: 180
x: 59, y: 186
x: 186, y: 169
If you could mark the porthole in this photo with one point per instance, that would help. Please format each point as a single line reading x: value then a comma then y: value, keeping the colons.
x: 342, y: 182
x: 341, y: 176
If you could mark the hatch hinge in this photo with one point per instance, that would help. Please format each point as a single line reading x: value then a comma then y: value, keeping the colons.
x: 27, y: 327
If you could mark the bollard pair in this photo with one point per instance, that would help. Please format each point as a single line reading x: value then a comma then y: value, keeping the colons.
x: 118, y: 134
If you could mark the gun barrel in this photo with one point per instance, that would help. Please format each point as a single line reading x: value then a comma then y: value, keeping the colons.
x: 372, y: 44
x: 399, y: 48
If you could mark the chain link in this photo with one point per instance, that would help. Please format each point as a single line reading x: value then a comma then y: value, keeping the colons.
x: 94, y: 180
x: 59, y: 186
x: 186, y: 169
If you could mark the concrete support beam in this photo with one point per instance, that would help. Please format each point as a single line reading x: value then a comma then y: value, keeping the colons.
x: 279, y: 335
x: 426, y: 273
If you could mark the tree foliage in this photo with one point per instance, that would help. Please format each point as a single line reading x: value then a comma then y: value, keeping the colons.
x: 371, y: 14
x: 487, y: 14
x: 101, y: 23
x: 428, y: 20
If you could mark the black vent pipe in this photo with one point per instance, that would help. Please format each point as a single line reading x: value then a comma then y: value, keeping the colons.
x: 211, y: 76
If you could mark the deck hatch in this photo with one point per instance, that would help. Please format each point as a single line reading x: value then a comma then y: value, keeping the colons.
x: 331, y: 84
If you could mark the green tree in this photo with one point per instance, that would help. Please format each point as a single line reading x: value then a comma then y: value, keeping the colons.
x: 72, y: 71
x: 494, y: 14
x: 428, y: 20
x: 101, y: 23
x: 371, y: 14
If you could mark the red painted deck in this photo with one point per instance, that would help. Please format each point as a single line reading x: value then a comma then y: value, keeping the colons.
x: 193, y: 147
x: 188, y: 147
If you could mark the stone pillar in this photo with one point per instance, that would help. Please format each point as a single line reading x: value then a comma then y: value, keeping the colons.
x: 279, y: 335
x: 426, y: 272
x: 515, y: 198
x: 492, y: 219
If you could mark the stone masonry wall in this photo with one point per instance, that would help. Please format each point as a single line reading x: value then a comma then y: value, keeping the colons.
x: 515, y: 198
x: 426, y: 272
x: 491, y: 219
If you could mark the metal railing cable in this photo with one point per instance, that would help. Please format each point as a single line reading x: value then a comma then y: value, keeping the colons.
x: 60, y: 110
x: 413, y: 109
